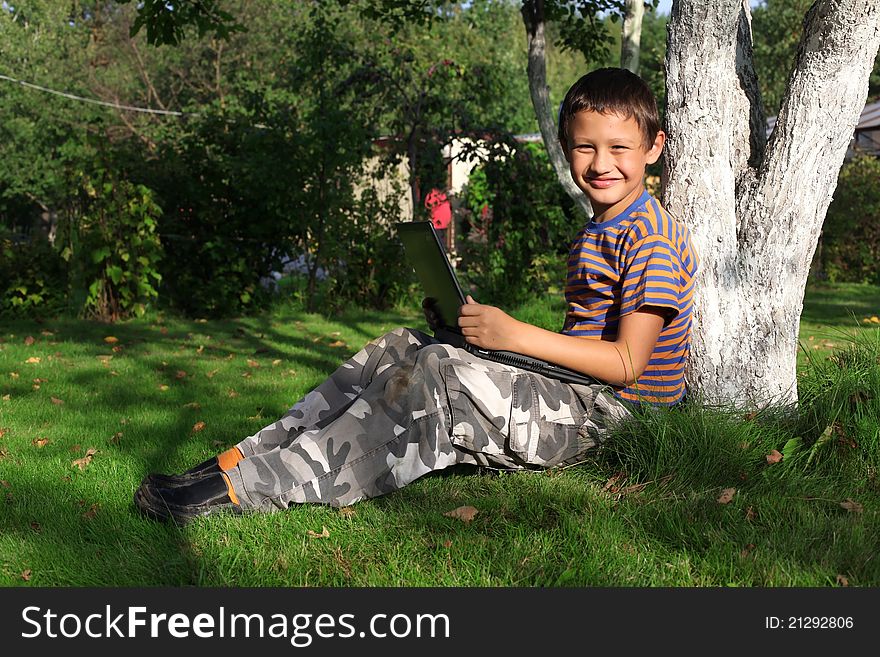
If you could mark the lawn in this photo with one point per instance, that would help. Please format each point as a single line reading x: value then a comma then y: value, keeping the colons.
x: 683, y: 498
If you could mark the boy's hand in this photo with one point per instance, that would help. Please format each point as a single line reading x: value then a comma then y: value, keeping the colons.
x: 432, y: 313
x: 487, y: 326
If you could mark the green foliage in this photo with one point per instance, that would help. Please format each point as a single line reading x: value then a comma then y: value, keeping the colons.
x: 33, y: 278
x: 111, y: 243
x: 517, y: 226
x: 167, y: 22
x: 850, y: 248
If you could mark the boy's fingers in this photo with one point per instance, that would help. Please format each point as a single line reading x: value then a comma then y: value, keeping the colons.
x: 470, y: 299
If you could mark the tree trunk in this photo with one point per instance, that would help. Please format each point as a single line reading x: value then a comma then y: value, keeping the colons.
x: 631, y: 35
x: 755, y: 207
x: 533, y: 19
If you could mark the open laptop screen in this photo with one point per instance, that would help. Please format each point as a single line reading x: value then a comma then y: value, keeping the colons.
x: 428, y: 258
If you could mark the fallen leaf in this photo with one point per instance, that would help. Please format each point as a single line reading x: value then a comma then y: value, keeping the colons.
x: 5, y: 483
x: 163, y: 387
x: 56, y: 401
x: 92, y: 512
x: 252, y: 363
x: 40, y: 442
x: 163, y: 330
x: 5, y: 397
x: 843, y: 581
x: 198, y: 426
x: 612, y: 483
x: 325, y: 533
x: 33, y: 359
x: 85, y: 460
x: 246, y: 375
x: 750, y: 514
x: 3, y: 453
x: 463, y: 513
x: 726, y: 495
x: 111, y: 339
x: 337, y: 343
x: 114, y: 439
x: 211, y: 374
x: 447, y: 543
x: 851, y: 506
x: 29, y: 340
x: 4, y: 431
x: 36, y: 526
x: 193, y: 405
x: 747, y: 550
x: 26, y: 575
x: 47, y: 333
x: 346, y: 512
x: 774, y: 457
x: 13, y: 375
x: 232, y: 393
x: 180, y: 374
x: 276, y: 362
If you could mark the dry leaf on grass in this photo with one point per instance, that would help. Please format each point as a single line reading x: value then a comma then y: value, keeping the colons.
x: 843, y: 581
x: 163, y: 387
x: 26, y: 575
x: 4, y: 431
x: 92, y: 511
x: 196, y: 406
x: 180, y: 374
x: 774, y: 457
x: 463, y: 513
x: 346, y: 512
x: 36, y: 526
x: 726, y: 496
x: 6, y: 397
x: 252, y: 363
x: 114, y: 439
x: 337, y: 343
x: 111, y: 339
x: 750, y: 514
x: 33, y: 359
x: 40, y: 442
x: 85, y: 460
x: 325, y: 533
x: 56, y: 401
x: 851, y: 506
x: 198, y: 426
x: 29, y: 340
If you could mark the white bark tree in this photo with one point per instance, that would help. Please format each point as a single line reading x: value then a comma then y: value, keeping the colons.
x: 756, y: 207
x: 631, y: 35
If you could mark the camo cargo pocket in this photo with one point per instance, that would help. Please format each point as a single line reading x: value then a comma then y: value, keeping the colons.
x: 518, y: 417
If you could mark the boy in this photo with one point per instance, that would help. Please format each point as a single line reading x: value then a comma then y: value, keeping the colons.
x: 407, y: 405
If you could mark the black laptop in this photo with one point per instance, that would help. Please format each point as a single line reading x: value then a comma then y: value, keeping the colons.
x: 427, y: 257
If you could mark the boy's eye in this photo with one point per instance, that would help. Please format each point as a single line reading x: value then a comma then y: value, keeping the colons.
x: 618, y: 148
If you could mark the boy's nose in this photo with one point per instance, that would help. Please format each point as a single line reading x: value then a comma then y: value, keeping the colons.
x: 600, y: 163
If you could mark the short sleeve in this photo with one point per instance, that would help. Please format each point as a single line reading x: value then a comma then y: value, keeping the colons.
x: 652, y: 275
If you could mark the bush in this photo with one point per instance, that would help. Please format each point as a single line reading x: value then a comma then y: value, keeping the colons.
x: 110, y: 240
x: 33, y: 277
x: 850, y: 250
x: 517, y: 227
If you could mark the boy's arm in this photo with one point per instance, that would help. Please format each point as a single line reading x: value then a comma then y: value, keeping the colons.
x: 619, y: 362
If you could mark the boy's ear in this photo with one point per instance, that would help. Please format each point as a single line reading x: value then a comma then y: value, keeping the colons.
x: 656, y: 147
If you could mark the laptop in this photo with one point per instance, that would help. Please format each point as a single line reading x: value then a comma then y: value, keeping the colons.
x: 426, y: 255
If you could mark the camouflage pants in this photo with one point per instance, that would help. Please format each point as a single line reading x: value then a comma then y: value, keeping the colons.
x: 406, y: 405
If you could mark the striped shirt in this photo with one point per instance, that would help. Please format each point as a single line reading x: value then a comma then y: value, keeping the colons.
x: 642, y: 257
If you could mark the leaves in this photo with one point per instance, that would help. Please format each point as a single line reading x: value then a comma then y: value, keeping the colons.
x: 26, y: 575
x: 463, y: 513
x: 111, y: 339
x: 774, y: 457
x: 199, y: 426
x: 82, y: 463
x: 33, y: 360
x: 56, y: 401
x: 726, y: 496
x: 40, y: 442
x: 852, y: 506
x: 325, y: 533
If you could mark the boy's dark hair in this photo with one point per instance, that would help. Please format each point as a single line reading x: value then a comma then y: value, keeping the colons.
x: 611, y: 90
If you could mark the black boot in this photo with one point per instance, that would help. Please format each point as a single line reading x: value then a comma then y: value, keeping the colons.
x: 184, y: 502
x: 203, y: 469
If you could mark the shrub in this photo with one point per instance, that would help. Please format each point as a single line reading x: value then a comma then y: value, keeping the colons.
x: 33, y: 277
x: 850, y: 250
x: 517, y: 227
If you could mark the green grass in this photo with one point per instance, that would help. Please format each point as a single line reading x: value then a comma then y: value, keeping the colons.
x: 644, y: 512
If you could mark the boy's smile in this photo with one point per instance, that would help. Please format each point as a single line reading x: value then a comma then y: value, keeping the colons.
x: 607, y: 156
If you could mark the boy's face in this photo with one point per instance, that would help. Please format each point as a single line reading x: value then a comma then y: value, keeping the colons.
x: 607, y: 157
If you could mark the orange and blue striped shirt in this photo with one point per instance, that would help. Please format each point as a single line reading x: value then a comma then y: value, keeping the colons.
x: 642, y: 257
